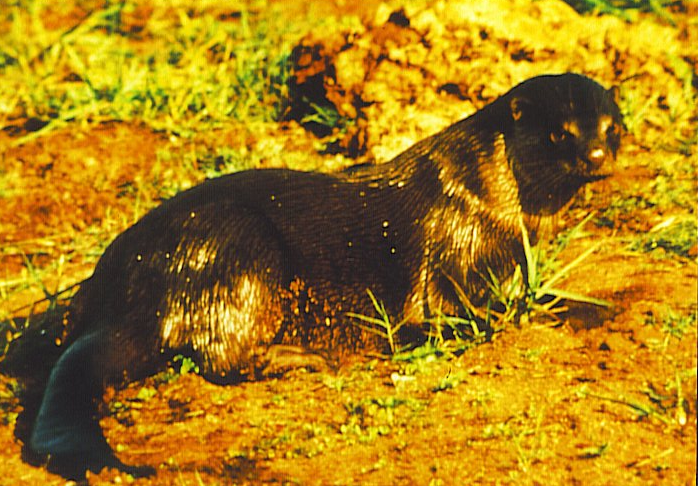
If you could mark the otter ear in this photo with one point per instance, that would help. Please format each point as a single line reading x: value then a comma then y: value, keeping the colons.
x: 614, y: 93
x: 518, y: 105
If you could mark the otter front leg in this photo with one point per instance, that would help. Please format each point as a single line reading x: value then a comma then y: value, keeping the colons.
x: 67, y: 426
x: 279, y: 358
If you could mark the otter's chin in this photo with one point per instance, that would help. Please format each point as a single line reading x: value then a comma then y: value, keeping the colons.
x: 595, y: 176
x: 585, y: 172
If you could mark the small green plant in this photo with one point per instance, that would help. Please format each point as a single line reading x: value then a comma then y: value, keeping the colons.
x: 674, y: 326
x: 181, y: 365
x: 535, y: 295
x: 186, y: 365
x: 428, y: 351
x: 625, y: 9
x: 533, y: 354
x: 681, y: 404
x: 594, y: 451
x: 146, y: 393
x: 223, y: 161
x: 10, y: 391
x: 673, y: 236
x: 328, y: 124
x: 325, y: 116
x: 635, y: 108
x: 641, y: 410
x: 449, y: 382
x: 454, y: 334
x: 540, y: 285
x: 526, y: 434
x: 370, y: 418
x: 381, y: 325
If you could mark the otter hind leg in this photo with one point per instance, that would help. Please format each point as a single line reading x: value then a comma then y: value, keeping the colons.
x: 67, y: 426
x: 229, y: 306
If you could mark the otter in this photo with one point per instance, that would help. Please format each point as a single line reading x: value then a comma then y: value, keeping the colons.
x: 261, y: 259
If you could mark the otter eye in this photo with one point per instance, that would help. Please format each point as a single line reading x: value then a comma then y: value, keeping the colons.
x: 613, y: 129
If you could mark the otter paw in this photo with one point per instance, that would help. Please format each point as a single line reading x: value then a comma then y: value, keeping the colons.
x: 281, y: 358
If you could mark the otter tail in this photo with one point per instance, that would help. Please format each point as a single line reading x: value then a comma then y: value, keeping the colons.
x: 67, y: 426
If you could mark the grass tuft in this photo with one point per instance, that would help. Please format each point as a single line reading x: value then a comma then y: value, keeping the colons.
x: 182, y: 70
x: 672, y: 236
x: 515, y: 300
x: 625, y: 9
x: 381, y: 325
x: 536, y: 295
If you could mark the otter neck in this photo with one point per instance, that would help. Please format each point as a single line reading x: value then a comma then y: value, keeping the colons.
x: 544, y: 187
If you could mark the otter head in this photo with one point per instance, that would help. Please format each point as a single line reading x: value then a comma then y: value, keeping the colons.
x: 565, y: 129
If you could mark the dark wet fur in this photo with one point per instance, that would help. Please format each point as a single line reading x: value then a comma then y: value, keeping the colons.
x: 277, y: 257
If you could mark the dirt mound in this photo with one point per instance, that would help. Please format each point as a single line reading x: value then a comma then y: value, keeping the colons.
x: 430, y: 66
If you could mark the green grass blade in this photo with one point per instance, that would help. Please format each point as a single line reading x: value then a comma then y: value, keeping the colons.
x: 564, y: 294
x: 548, y: 285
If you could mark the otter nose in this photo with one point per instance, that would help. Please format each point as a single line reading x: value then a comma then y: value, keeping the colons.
x: 596, y: 156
